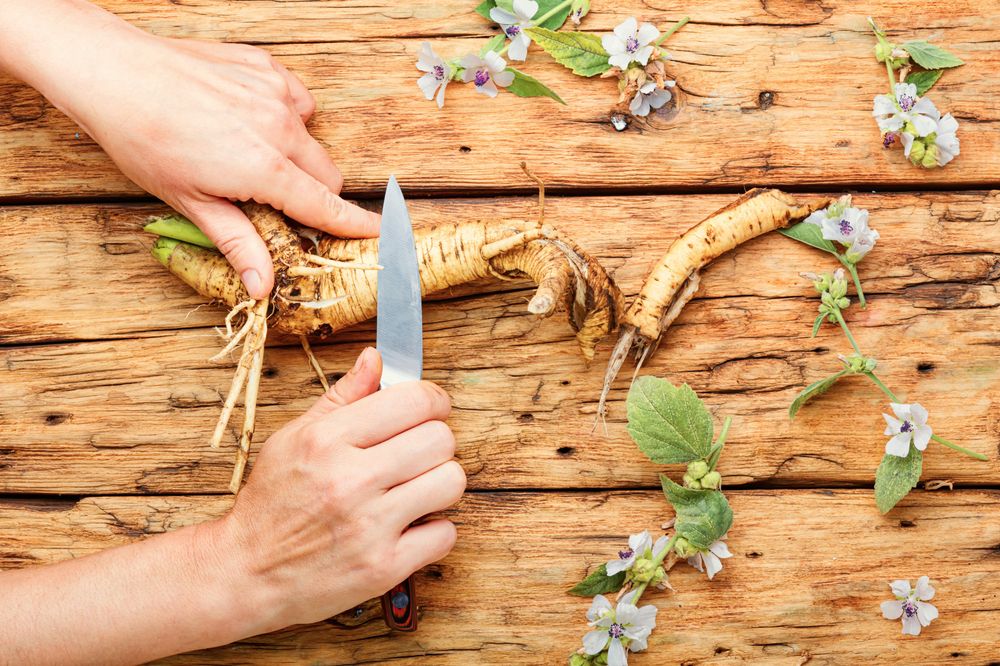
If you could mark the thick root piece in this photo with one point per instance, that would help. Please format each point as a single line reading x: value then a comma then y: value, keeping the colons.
x: 674, y: 280
x: 325, y: 298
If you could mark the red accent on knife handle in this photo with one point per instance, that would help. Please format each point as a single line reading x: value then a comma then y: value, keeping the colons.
x: 399, y: 606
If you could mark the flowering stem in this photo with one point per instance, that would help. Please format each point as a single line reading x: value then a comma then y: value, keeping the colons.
x: 657, y: 562
x: 853, y: 270
x: 892, y: 82
x: 883, y: 387
x: 847, y: 331
x: 552, y: 12
x: 714, y: 459
x: 677, y: 26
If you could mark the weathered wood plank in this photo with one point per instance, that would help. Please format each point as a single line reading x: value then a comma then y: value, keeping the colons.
x: 816, y: 602
x: 120, y: 416
x: 83, y: 271
x: 779, y: 100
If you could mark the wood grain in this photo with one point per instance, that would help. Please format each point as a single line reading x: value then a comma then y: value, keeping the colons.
x: 804, y: 585
x: 113, y: 415
x: 769, y: 93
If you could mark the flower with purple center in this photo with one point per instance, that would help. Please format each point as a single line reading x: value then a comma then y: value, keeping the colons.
x: 620, y: 629
x: 649, y: 97
x: 487, y: 72
x: 710, y: 561
x: 909, y: 425
x: 848, y: 226
x: 640, y: 546
x: 904, y: 109
x: 630, y: 42
x: 944, y: 140
x: 438, y: 74
x: 911, y: 605
x: 514, y: 26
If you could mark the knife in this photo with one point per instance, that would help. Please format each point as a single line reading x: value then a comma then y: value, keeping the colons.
x: 399, y: 339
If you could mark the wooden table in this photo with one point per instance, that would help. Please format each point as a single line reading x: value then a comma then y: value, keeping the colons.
x: 107, y: 398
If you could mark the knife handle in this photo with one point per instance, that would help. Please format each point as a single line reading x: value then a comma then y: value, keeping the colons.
x: 399, y: 607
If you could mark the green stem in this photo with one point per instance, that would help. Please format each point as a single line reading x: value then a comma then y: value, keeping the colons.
x: 960, y: 449
x: 677, y: 26
x: 656, y: 562
x: 853, y: 270
x: 883, y: 387
x: 714, y: 460
x: 552, y: 12
x: 847, y: 331
x: 892, y: 82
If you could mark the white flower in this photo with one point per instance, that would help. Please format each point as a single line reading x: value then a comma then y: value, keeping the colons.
x: 848, y: 226
x: 710, y: 561
x: 438, y: 73
x: 911, y: 605
x: 946, y: 139
x: 620, y: 630
x: 514, y: 26
x: 487, y: 72
x: 909, y: 425
x: 639, y: 545
x: 893, y: 113
x: 649, y: 97
x: 630, y: 42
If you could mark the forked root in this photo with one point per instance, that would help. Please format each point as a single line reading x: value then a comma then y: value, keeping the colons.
x: 674, y: 280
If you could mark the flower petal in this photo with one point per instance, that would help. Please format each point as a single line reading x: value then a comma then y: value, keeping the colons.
x: 905, y: 89
x: 892, y: 610
x: 902, y: 411
x: 713, y: 564
x: 494, y: 62
x: 594, y: 641
x: 720, y: 549
x: 924, y: 125
x: 642, y: 55
x: 612, y: 44
x: 638, y: 540
x: 924, y: 590
x: 616, y: 653
x: 891, y: 124
x: 626, y: 28
x: 901, y: 588
x: 660, y: 545
x: 471, y: 61
x: 911, y: 625
x: 695, y: 561
x: 598, y: 606
x: 921, y: 436
x: 899, y: 445
x: 925, y: 107
x: 926, y: 612
x: 620, y: 60
x: 428, y: 84
x: 647, y: 33
x: 883, y: 106
x: 918, y: 414
x: 947, y: 125
x: 626, y: 613
x: 519, y: 48
x: 616, y: 566
x: 440, y: 95
x: 504, y: 78
x: 525, y: 9
x: 907, y: 140
x: 646, y: 617
x: 502, y: 16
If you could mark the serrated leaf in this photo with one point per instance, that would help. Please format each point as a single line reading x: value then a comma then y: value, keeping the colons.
x: 495, y: 44
x: 529, y: 86
x: 581, y: 52
x: 929, y: 56
x: 668, y: 423
x: 896, y: 477
x: 484, y: 8
x: 924, y: 80
x: 703, y: 516
x: 810, y: 234
x: 599, y: 582
x: 814, y: 390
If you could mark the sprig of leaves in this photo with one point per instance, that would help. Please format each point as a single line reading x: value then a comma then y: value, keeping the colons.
x: 580, y: 52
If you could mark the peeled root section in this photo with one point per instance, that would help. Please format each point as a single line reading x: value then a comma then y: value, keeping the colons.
x: 674, y: 280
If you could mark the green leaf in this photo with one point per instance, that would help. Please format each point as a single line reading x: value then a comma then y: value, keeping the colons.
x: 814, y: 390
x: 529, y: 86
x: 668, y: 424
x: 924, y: 80
x: 817, y: 324
x: 484, y: 8
x: 599, y: 582
x: 810, y: 234
x: 896, y: 477
x: 703, y: 516
x: 581, y: 52
x: 929, y: 56
x: 495, y: 44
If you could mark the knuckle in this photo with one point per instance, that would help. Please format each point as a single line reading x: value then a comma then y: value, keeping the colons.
x: 334, y: 204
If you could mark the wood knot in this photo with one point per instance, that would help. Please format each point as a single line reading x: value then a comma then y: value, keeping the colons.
x: 765, y: 99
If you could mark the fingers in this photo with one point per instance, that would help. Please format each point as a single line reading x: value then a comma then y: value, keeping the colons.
x: 383, y: 415
x: 302, y: 99
x: 433, y: 491
x: 424, y: 544
x: 309, y: 201
x: 312, y: 158
x: 235, y: 237
x: 360, y: 381
x: 410, y: 454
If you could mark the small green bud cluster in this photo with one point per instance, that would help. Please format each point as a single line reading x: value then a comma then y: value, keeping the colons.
x: 579, y: 659
x: 924, y: 151
x: 700, y: 476
x: 684, y: 549
x: 833, y: 294
x: 858, y: 364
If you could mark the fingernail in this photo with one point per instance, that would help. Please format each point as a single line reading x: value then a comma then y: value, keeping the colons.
x: 251, y: 280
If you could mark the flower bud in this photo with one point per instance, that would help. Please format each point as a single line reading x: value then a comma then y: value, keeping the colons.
x: 870, y: 364
x: 711, y: 480
x: 929, y: 160
x: 577, y: 659
x: 838, y: 289
x: 688, y: 479
x: 601, y: 659
x: 883, y: 50
x: 843, y: 303
x: 643, y: 571
x: 683, y: 548
x: 578, y: 10
x: 916, y: 151
x: 697, y: 469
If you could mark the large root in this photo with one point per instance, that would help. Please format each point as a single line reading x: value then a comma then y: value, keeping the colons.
x: 325, y: 284
x: 674, y: 280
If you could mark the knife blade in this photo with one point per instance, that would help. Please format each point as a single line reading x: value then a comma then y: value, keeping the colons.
x: 399, y: 339
x: 399, y: 334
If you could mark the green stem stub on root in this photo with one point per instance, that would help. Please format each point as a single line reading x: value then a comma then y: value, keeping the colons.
x: 179, y: 228
x: 163, y: 248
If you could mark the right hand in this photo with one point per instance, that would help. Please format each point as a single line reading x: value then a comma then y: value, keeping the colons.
x: 324, y: 521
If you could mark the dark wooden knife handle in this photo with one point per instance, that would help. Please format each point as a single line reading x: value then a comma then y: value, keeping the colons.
x: 399, y: 606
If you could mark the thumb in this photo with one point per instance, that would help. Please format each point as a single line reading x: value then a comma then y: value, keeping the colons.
x: 236, y: 237
x: 360, y: 381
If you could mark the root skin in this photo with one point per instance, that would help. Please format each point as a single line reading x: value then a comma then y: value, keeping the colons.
x: 449, y: 255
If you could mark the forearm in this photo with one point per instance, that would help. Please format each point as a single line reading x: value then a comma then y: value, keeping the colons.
x: 170, y: 593
x: 62, y: 48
